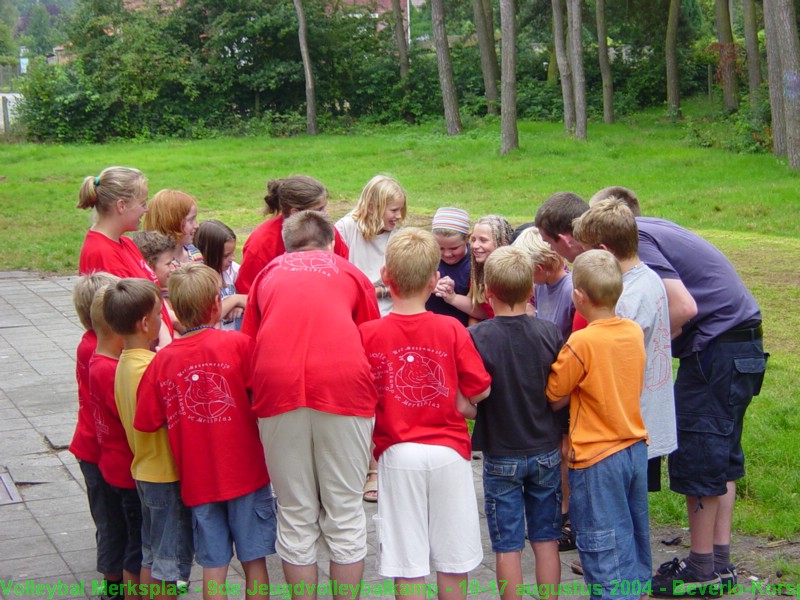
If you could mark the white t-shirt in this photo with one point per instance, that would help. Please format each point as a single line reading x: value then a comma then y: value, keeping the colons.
x: 644, y: 300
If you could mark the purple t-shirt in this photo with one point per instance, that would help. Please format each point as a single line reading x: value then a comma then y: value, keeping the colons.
x: 554, y: 304
x: 723, y: 301
x: 459, y: 273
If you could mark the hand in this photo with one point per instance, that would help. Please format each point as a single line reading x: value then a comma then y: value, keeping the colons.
x: 445, y: 289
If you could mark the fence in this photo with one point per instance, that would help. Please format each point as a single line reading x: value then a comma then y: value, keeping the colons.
x: 8, y: 78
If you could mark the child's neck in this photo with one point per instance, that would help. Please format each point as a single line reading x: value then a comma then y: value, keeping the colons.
x: 501, y: 309
x: 137, y: 341
x: 109, y: 347
x: 108, y: 228
x: 627, y: 264
x: 200, y: 328
x: 554, y: 277
x: 596, y: 313
x: 411, y: 305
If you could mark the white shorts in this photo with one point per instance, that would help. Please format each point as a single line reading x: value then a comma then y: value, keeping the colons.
x: 427, y: 512
x: 316, y: 462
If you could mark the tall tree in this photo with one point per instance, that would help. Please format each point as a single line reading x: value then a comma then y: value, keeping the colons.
x: 39, y: 31
x: 671, y: 55
x: 484, y: 31
x: 575, y: 19
x: 775, y: 82
x: 783, y: 33
x: 308, y: 72
x: 445, y: 64
x: 508, y: 114
x: 564, y: 70
x: 727, y: 56
x: 751, y: 46
x: 605, y: 64
x: 400, y: 38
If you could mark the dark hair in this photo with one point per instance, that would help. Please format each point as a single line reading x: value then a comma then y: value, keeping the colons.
x: 307, y: 230
x: 128, y: 302
x: 555, y: 216
x: 623, y: 193
x: 210, y: 239
x: 296, y: 191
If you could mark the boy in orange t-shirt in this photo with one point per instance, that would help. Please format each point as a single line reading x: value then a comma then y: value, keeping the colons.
x: 600, y: 373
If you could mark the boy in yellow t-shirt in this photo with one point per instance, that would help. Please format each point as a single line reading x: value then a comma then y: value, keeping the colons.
x: 600, y: 373
x: 133, y: 310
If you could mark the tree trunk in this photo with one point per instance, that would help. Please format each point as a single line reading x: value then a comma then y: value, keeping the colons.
x: 488, y: 17
x: 727, y: 56
x: 785, y: 22
x: 400, y: 38
x: 775, y: 81
x: 751, y: 45
x: 673, y: 79
x: 311, y: 99
x: 508, y: 113
x: 605, y: 64
x: 446, y: 79
x: 564, y: 70
x: 486, y: 47
x: 576, y: 65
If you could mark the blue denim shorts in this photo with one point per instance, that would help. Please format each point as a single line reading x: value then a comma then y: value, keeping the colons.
x: 608, y: 511
x: 248, y: 522
x: 109, y: 520
x: 520, y: 489
x: 712, y: 392
x: 167, y: 545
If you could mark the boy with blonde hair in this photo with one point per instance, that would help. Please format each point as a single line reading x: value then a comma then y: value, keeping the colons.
x: 199, y: 387
x: 428, y: 376
x: 600, y: 373
x: 84, y: 443
x: 132, y: 308
x: 516, y: 429
x: 610, y: 225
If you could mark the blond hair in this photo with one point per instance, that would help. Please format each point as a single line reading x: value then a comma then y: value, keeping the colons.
x: 598, y: 275
x: 412, y: 256
x: 99, y: 323
x: 307, y: 230
x: 508, y: 275
x: 501, y: 234
x: 611, y: 223
x: 113, y: 183
x: 167, y: 211
x: 128, y: 302
x: 368, y: 213
x: 540, y: 253
x: 84, y: 291
x: 193, y: 291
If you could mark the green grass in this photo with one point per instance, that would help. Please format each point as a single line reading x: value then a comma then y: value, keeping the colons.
x: 746, y: 204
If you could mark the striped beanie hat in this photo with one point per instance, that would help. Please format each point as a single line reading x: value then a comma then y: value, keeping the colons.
x: 454, y: 219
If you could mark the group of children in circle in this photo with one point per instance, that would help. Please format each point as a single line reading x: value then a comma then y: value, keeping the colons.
x: 171, y: 235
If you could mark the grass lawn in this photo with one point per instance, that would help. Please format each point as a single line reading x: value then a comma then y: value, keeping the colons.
x: 748, y: 205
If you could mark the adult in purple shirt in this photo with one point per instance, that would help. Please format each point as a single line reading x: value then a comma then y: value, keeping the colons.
x: 717, y: 336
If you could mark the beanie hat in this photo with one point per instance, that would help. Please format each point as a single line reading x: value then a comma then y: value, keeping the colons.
x: 454, y: 219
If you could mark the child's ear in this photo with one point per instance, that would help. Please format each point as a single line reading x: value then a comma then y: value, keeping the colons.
x: 433, y: 281
x: 384, y: 276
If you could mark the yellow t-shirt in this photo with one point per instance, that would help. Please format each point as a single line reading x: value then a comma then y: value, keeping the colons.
x: 152, y: 456
x: 601, y: 368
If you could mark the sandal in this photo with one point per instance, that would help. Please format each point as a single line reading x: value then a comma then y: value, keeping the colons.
x: 576, y: 566
x: 567, y: 540
x: 371, y: 486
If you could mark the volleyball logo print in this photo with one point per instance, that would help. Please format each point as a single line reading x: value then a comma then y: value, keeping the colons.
x: 208, y: 395
x: 419, y: 380
x: 310, y: 261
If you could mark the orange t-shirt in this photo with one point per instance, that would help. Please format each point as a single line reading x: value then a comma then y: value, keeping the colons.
x: 601, y: 368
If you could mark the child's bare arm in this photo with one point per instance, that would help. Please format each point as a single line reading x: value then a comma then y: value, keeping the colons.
x: 232, y: 303
x: 559, y: 404
x: 465, y: 407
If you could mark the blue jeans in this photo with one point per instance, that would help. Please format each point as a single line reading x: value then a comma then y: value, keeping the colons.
x: 608, y: 511
x: 519, y: 489
x: 167, y: 546
x: 713, y: 389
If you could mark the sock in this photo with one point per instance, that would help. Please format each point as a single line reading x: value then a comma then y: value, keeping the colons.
x: 722, y: 557
x: 702, y: 565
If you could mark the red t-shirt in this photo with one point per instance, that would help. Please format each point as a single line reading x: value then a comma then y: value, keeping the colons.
x: 115, y: 453
x: 84, y: 441
x: 578, y: 322
x: 123, y: 259
x: 418, y: 362
x: 198, y: 387
x: 265, y: 244
x: 303, y: 311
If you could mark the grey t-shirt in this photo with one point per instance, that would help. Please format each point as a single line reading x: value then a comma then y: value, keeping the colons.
x: 723, y: 301
x: 644, y: 300
x: 554, y: 304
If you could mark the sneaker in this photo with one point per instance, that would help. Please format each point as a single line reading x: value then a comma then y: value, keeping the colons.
x: 676, y: 579
x: 728, y: 579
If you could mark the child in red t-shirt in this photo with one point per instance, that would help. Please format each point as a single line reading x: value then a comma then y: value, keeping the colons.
x: 429, y: 376
x: 84, y: 441
x: 115, y: 453
x: 199, y: 387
